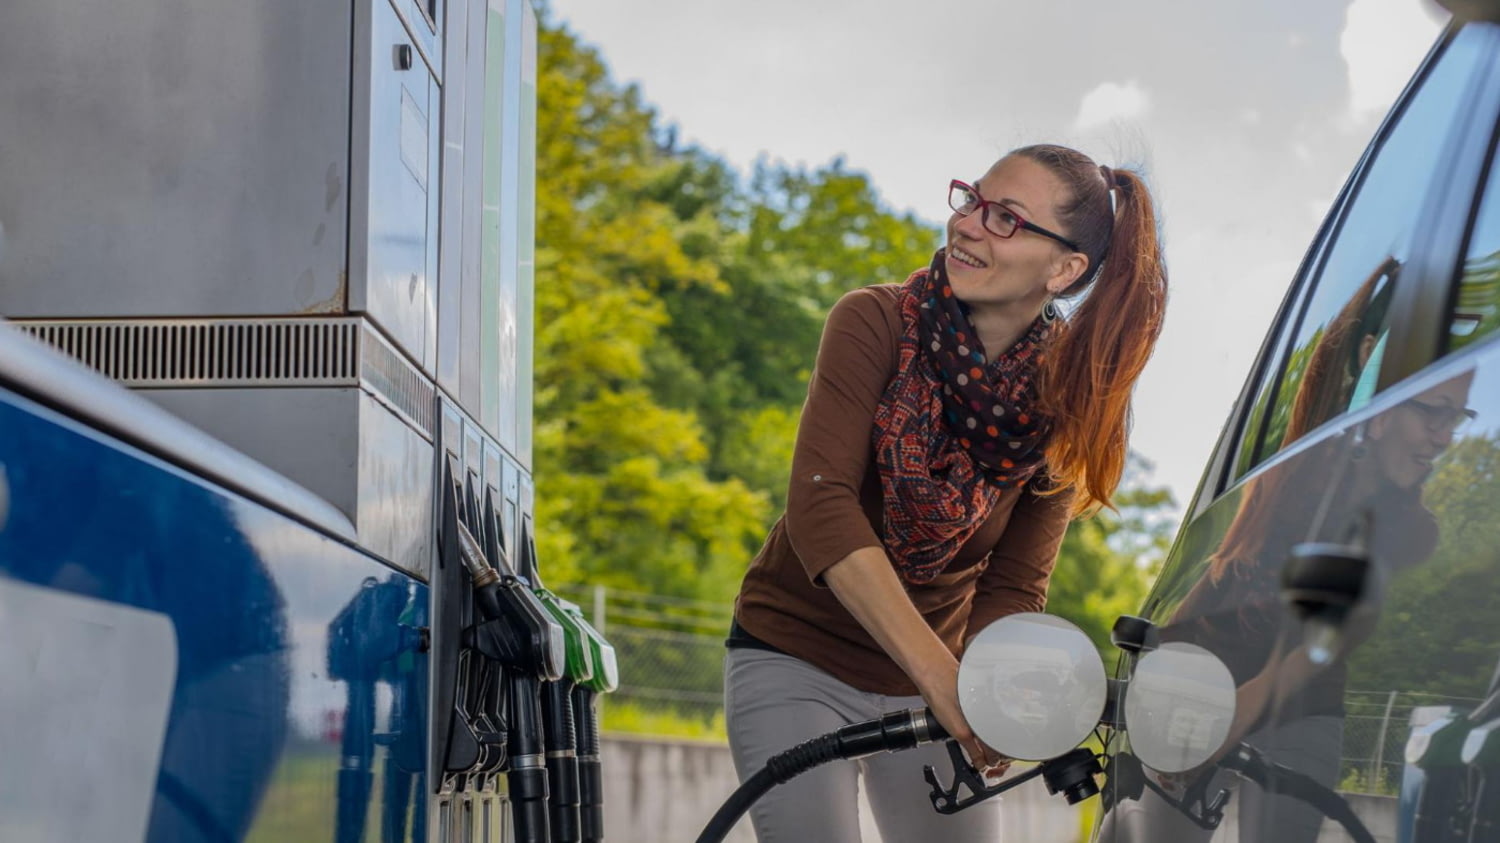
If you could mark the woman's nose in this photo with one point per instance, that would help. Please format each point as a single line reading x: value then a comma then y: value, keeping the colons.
x: 970, y: 225
x: 1442, y: 436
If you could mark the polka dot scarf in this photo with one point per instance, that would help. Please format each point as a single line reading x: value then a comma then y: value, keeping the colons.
x: 952, y: 432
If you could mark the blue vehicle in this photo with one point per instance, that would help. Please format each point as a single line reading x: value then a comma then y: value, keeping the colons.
x: 194, y: 646
x: 266, y: 560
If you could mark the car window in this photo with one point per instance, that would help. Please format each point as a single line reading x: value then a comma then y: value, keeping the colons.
x: 1476, y: 303
x: 1336, y: 350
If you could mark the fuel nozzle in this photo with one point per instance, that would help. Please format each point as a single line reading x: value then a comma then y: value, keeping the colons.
x: 1322, y: 583
x: 516, y: 632
x: 473, y: 557
x: 890, y: 732
x: 559, y: 714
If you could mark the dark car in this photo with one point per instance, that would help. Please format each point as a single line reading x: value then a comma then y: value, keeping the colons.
x: 1342, y: 554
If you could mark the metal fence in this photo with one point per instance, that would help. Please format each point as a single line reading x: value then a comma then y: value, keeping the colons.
x: 671, y: 654
x: 1377, y: 725
x: 670, y: 650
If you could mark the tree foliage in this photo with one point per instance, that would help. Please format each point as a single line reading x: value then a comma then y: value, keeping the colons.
x: 1107, y: 561
x: 1437, y: 629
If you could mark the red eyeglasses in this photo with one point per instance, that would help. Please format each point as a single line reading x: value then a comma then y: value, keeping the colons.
x: 1003, y: 222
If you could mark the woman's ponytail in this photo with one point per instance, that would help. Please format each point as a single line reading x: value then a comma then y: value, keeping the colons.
x: 1090, y: 372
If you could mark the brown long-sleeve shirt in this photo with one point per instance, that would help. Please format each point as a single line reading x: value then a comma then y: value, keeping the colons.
x: 834, y: 508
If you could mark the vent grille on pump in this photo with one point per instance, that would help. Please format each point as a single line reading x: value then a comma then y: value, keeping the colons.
x: 223, y: 353
x: 217, y: 352
x: 389, y: 376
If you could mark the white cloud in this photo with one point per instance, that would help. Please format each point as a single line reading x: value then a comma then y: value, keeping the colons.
x: 1109, y: 102
x: 1382, y: 43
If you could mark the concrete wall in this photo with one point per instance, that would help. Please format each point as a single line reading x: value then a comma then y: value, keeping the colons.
x: 660, y: 791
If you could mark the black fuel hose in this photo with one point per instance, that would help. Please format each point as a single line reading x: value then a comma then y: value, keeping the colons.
x: 888, y: 733
x: 590, y: 775
x: 1277, y: 778
x: 528, y: 763
x: 561, y: 738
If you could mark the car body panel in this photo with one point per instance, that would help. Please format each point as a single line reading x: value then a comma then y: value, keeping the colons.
x: 1356, y: 433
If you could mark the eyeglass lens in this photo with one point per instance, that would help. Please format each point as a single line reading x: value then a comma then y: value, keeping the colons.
x: 995, y: 218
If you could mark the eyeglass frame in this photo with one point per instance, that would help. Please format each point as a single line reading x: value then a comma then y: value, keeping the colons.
x: 984, y: 215
x: 1458, y: 416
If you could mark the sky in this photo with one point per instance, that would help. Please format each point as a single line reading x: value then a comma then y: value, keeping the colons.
x: 1245, y: 118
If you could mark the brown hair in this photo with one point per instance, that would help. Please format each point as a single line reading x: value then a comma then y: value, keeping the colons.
x: 1088, y: 376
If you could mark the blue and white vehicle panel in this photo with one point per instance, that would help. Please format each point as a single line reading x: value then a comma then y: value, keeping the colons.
x: 184, y: 658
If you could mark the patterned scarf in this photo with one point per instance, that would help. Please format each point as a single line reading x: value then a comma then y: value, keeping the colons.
x: 951, y: 431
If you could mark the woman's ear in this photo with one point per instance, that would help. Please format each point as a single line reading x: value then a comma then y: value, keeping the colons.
x: 1066, y: 272
x: 1366, y: 346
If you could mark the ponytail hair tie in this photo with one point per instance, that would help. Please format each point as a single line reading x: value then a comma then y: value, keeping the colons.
x: 1110, y: 185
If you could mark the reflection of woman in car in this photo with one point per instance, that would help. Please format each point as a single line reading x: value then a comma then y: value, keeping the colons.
x: 1361, y: 486
x: 1341, y: 370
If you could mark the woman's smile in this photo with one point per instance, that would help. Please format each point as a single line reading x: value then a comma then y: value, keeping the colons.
x: 957, y: 254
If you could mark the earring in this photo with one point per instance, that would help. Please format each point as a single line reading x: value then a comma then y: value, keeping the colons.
x: 1049, y: 312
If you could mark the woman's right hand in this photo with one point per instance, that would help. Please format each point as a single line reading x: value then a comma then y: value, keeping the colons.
x: 940, y: 690
x: 867, y: 585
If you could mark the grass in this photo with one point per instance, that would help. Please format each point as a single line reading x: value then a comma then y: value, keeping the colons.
x: 623, y: 717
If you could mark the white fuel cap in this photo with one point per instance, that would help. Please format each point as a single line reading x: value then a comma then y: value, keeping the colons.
x: 1032, y: 686
x: 1178, y: 707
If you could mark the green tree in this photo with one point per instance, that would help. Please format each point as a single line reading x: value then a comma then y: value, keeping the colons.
x: 624, y: 497
x: 1438, y: 633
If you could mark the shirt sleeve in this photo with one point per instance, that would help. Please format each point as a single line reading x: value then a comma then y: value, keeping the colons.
x: 857, y: 357
x: 1020, y: 565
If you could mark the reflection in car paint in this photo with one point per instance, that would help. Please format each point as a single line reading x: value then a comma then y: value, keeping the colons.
x: 1363, y: 485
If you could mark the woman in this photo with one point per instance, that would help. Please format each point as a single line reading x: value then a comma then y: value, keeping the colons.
x: 953, y: 426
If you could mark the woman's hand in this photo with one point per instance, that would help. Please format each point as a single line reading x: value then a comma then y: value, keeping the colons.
x: 940, y: 690
x: 867, y: 585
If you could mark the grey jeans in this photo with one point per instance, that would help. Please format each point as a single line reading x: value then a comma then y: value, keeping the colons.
x: 773, y: 702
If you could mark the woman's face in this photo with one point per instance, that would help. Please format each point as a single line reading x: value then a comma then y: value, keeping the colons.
x: 1025, y: 268
x: 1408, y: 438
